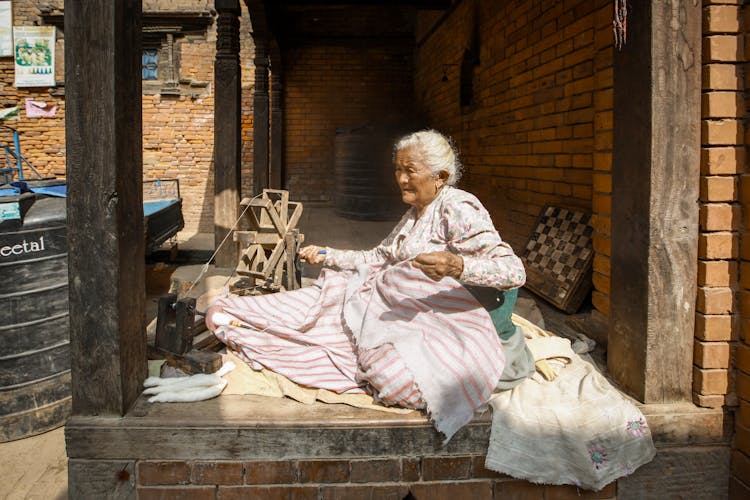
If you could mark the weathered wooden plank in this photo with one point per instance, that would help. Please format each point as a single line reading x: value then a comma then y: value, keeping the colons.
x: 260, y: 114
x: 252, y: 274
x: 253, y: 411
x: 104, y: 204
x: 290, y: 243
x: 654, y: 202
x: 221, y: 443
x: 97, y: 479
x: 205, y: 341
x: 280, y: 199
x: 276, y: 179
x: 262, y: 238
x: 224, y: 441
x: 701, y: 470
x: 685, y: 423
x: 273, y: 259
x: 227, y: 129
x: 194, y: 361
x: 245, y: 427
x: 296, y: 208
x: 175, y: 323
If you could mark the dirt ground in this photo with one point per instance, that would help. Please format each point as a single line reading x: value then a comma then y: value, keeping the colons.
x: 35, y: 467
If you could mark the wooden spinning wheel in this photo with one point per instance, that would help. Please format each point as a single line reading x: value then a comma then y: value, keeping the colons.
x: 269, y: 247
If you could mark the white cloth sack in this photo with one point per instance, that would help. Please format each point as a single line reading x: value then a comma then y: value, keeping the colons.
x: 576, y: 429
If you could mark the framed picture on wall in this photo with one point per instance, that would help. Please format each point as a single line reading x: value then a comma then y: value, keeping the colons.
x: 6, y: 28
x: 34, y: 54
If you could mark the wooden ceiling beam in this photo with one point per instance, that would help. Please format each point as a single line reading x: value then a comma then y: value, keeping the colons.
x: 418, y: 4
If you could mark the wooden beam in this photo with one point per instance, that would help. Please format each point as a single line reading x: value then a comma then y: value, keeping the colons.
x: 104, y: 206
x: 220, y: 428
x: 418, y: 4
x: 276, y: 178
x: 227, y: 130
x: 655, y: 174
x: 260, y: 115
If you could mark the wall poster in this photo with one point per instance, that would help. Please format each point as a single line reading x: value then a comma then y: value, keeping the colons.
x: 34, y: 56
x: 6, y: 28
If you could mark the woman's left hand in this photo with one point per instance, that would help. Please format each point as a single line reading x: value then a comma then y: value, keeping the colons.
x: 312, y: 254
x: 438, y: 265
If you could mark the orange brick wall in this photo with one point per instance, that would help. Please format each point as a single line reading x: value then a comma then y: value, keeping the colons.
x: 721, y: 375
x: 451, y: 476
x: 337, y: 86
x: 720, y: 210
x: 540, y: 131
x: 177, y: 130
x: 247, y: 68
x: 42, y: 139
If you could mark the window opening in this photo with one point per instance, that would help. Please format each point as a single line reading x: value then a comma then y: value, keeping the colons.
x: 150, y: 64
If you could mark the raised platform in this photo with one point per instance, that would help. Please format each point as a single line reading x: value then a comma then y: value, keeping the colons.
x: 165, y: 449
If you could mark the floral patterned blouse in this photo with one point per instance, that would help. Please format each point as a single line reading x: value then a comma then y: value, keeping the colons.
x: 454, y: 221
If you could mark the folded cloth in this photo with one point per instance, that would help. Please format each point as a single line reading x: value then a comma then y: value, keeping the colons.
x: 574, y: 429
x: 551, y: 353
x: 187, y: 389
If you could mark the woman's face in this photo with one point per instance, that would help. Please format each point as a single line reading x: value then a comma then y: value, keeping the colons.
x: 418, y: 185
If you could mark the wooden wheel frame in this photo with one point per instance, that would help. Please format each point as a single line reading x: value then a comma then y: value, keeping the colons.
x: 268, y: 254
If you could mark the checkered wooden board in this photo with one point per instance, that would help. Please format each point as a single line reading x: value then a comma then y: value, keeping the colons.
x: 559, y: 256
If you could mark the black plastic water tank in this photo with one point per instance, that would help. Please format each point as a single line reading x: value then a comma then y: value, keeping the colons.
x: 365, y: 186
x: 35, y: 394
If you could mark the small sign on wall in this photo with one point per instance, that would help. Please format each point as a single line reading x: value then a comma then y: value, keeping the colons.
x: 34, y: 56
x: 6, y: 28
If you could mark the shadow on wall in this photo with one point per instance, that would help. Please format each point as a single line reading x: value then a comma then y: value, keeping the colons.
x: 206, y: 217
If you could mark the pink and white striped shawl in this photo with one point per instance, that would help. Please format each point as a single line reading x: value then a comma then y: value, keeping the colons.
x: 313, y: 336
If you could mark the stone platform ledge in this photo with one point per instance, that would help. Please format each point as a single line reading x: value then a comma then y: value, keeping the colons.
x: 235, y: 427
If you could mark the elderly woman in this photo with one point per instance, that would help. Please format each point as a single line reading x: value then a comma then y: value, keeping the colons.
x: 421, y: 321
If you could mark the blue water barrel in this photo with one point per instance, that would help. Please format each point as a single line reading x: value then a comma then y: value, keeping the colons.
x: 35, y: 394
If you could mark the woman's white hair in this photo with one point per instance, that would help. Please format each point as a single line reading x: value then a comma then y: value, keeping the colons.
x: 437, y: 151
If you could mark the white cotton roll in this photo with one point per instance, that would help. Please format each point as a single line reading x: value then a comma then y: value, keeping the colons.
x: 183, y: 383
x: 221, y: 319
x: 225, y: 368
x: 163, y: 381
x: 187, y: 395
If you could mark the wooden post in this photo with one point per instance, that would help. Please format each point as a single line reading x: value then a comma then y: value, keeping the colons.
x: 276, y: 179
x: 227, y: 129
x: 260, y: 114
x: 105, y: 208
x: 656, y: 161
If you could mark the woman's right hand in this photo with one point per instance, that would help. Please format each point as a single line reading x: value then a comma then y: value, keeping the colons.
x: 312, y: 254
x: 210, y: 317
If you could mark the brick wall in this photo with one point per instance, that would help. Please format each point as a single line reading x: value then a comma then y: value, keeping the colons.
x: 723, y: 298
x: 177, y: 130
x: 601, y: 202
x: 340, y: 82
x: 427, y: 478
x: 42, y: 139
x: 247, y: 69
x: 720, y: 224
x: 539, y: 129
